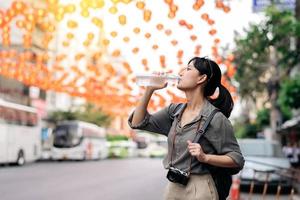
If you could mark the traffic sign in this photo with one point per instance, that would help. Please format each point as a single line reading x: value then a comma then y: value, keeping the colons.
x: 260, y: 5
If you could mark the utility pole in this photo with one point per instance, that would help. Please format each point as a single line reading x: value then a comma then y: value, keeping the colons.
x: 274, y: 83
x: 297, y: 15
x: 297, y: 9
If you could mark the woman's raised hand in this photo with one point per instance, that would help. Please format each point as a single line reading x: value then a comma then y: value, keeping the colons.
x: 158, y: 81
x: 196, y: 150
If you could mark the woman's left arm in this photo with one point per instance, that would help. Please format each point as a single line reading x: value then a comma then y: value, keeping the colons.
x: 220, y: 161
x: 221, y: 137
x: 217, y: 160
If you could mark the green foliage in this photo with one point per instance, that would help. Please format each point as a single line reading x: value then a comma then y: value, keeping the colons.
x: 116, y: 137
x: 245, y: 130
x: 290, y: 93
x: 250, y: 130
x: 254, y: 49
x: 94, y: 115
x: 57, y: 116
x: 88, y: 113
x: 264, y: 56
x: 118, y: 152
x: 286, y: 113
x: 263, y: 118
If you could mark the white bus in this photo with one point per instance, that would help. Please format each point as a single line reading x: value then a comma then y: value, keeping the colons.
x: 19, y: 133
x: 77, y: 140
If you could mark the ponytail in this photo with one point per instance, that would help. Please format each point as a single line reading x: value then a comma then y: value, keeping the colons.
x: 224, y: 101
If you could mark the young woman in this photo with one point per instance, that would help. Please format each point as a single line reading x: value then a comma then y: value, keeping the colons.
x: 180, y: 122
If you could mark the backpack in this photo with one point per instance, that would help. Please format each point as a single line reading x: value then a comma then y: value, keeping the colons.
x: 221, y: 175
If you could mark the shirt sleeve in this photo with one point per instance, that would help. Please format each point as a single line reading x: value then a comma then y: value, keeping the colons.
x: 159, y: 122
x: 224, y: 141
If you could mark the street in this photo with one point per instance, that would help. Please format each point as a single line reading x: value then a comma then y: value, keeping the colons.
x: 127, y: 179
x: 106, y: 180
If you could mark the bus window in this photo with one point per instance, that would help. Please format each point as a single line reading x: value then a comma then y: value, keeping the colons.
x: 14, y: 116
x: 91, y: 133
x: 66, y: 136
x: 23, y: 118
x: 87, y: 132
x: 31, y: 119
x: 1, y: 114
x: 18, y: 116
x: 9, y: 116
x: 35, y: 119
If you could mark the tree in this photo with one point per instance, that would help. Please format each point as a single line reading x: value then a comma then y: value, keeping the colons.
x: 265, y: 56
x: 297, y: 10
x: 289, y: 96
x: 93, y: 114
x: 248, y: 130
x: 263, y: 118
x: 57, y: 116
x: 297, y: 15
x: 87, y: 113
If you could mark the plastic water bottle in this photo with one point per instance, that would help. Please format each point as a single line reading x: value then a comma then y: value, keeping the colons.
x: 147, y: 79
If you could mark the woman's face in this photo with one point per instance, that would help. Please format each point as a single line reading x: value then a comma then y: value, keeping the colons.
x: 190, y: 78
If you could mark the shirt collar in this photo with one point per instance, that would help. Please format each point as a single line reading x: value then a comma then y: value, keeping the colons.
x: 205, y: 112
x: 207, y: 108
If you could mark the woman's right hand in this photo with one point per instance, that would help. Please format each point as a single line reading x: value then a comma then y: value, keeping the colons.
x: 159, y: 82
x: 157, y: 87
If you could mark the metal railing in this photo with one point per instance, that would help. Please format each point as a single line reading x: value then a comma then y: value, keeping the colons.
x: 287, y: 176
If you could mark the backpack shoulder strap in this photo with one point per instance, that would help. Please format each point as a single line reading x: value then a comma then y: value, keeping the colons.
x: 177, y: 110
x: 207, y: 122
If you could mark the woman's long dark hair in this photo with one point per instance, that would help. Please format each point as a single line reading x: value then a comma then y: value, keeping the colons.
x: 224, y: 102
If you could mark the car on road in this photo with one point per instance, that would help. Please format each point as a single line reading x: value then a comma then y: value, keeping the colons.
x: 122, y: 149
x: 264, y: 160
x: 157, y: 148
x: 157, y: 151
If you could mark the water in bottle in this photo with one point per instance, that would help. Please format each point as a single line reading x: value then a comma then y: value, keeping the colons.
x: 147, y: 79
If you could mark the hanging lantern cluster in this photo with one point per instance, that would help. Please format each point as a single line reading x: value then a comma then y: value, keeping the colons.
x: 99, y: 79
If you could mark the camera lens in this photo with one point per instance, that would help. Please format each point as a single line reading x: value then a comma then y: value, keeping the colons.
x: 171, y: 179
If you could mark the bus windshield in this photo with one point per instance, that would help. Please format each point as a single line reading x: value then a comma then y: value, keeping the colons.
x: 66, y: 136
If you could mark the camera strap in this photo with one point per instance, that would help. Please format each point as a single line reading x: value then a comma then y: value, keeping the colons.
x: 200, y: 132
x: 173, y: 146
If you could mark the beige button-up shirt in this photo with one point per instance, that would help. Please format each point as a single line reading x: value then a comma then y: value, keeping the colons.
x: 219, y: 138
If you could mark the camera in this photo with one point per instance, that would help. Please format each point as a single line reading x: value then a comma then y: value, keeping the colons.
x: 177, y: 176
